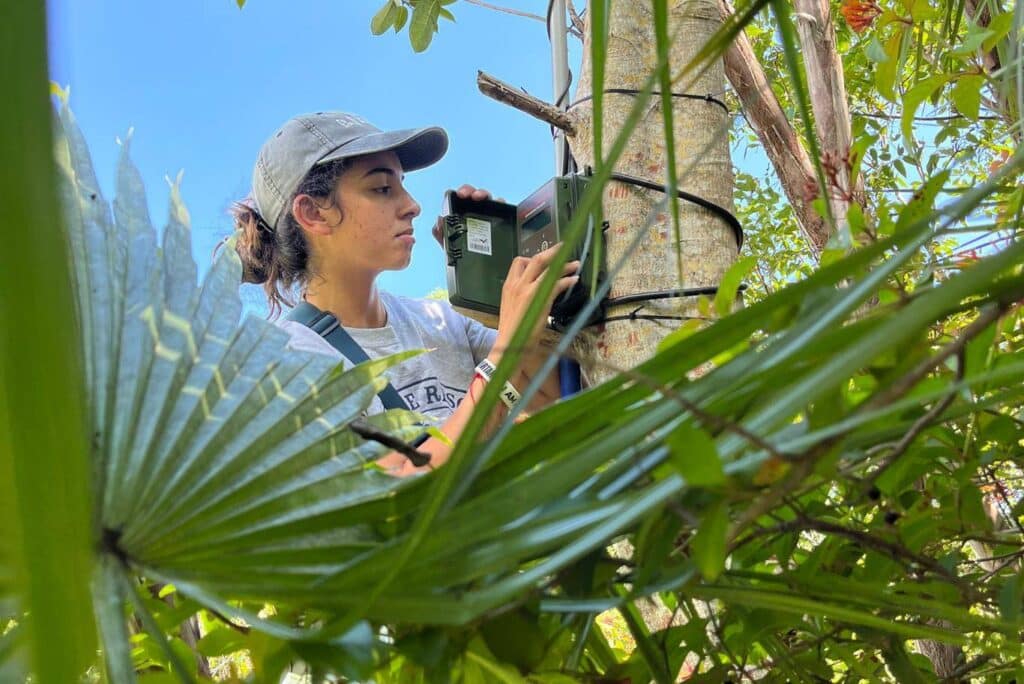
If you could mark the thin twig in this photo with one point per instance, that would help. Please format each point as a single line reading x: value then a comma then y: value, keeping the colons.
x: 366, y: 431
x: 919, y: 425
x: 1000, y: 490
x: 896, y: 551
x: 519, y: 99
x: 507, y: 10
x: 897, y: 117
x: 242, y: 629
x: 989, y: 574
x: 973, y: 664
x: 1013, y: 555
x: 576, y: 25
x: 717, y: 628
x: 778, y: 492
x: 710, y: 419
x: 908, y: 381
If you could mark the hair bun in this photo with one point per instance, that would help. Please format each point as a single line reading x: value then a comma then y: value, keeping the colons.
x: 255, y: 244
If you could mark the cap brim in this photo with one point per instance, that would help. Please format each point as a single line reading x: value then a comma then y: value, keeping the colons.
x: 416, y: 148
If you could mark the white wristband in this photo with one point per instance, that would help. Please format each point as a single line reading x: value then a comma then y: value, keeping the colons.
x: 509, y: 394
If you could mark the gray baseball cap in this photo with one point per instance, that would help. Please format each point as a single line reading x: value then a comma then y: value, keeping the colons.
x: 311, y: 139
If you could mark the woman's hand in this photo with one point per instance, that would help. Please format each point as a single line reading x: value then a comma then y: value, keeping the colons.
x: 520, y: 289
x: 464, y: 191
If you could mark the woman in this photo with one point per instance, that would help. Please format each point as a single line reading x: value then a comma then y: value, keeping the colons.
x: 329, y: 213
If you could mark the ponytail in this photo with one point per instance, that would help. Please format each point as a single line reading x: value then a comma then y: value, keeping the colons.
x: 274, y: 261
x: 278, y: 258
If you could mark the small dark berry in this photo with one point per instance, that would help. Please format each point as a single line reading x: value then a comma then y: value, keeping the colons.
x: 891, y: 517
x: 874, y: 494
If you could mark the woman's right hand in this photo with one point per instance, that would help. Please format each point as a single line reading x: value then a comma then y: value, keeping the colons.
x: 520, y: 289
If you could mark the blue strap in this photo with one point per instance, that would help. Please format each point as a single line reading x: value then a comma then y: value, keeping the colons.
x: 326, y: 326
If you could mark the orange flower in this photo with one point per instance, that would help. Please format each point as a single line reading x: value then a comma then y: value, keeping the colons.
x: 859, y: 14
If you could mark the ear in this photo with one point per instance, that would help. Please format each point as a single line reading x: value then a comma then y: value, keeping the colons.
x: 314, y: 216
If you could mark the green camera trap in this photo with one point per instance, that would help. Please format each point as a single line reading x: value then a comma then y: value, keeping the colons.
x: 481, y: 238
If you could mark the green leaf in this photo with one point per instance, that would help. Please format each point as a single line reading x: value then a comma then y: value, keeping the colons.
x: 875, y: 51
x: 646, y: 647
x: 447, y: 14
x: 999, y: 27
x: 729, y: 286
x: 402, y: 15
x: 888, y: 69
x: 972, y: 509
x: 515, y: 638
x: 494, y: 672
x: 384, y: 18
x: 695, y: 457
x: 46, y: 516
x: 922, y: 202
x: 976, y: 36
x: 800, y: 605
x: 350, y: 655
x: 900, y: 664
x: 1010, y: 598
x: 914, y: 98
x: 708, y: 545
x: 966, y: 94
x: 424, y: 23
x: 220, y: 642
x: 979, y: 351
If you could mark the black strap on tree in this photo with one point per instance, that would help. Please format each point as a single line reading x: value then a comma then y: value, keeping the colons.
x: 632, y: 91
x: 642, y: 297
x: 717, y: 209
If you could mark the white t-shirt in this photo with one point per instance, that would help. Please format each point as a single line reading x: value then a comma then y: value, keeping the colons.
x: 432, y: 383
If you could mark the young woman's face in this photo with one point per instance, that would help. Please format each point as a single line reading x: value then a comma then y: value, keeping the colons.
x: 374, y: 232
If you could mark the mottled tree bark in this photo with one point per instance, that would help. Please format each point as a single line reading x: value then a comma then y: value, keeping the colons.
x: 707, y: 243
x: 827, y: 88
x: 781, y: 143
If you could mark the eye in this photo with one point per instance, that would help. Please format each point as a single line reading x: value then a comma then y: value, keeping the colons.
x: 383, y: 190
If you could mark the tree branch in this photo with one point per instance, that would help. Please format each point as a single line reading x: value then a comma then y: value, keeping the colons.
x: 827, y: 87
x: 781, y: 144
x: 707, y: 419
x: 366, y: 431
x: 958, y: 674
x: 507, y: 10
x: 524, y: 102
x: 576, y: 22
x: 896, y: 551
x: 920, y: 424
x: 907, y: 382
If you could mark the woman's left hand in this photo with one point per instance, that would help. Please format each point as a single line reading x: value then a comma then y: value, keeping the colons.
x: 464, y: 191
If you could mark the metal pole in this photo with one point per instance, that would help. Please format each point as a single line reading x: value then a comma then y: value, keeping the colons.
x: 557, y: 31
x: 568, y: 370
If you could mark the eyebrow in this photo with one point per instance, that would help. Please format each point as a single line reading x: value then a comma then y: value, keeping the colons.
x: 383, y: 169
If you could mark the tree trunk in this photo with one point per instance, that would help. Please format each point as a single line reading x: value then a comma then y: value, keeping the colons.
x: 701, y: 130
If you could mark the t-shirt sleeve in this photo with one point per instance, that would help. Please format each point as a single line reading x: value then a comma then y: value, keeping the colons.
x: 481, y: 338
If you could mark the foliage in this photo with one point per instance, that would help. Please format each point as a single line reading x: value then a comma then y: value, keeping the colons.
x: 836, y: 481
x: 425, y: 14
x: 45, y: 552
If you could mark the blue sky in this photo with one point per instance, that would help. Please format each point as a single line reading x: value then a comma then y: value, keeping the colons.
x: 203, y: 84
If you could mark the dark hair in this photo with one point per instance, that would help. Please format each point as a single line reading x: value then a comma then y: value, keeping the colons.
x: 279, y: 259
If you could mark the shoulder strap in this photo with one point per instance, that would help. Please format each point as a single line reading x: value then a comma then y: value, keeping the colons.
x: 326, y: 326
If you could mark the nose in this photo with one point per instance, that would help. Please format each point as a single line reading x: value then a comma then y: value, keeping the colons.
x: 411, y: 209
